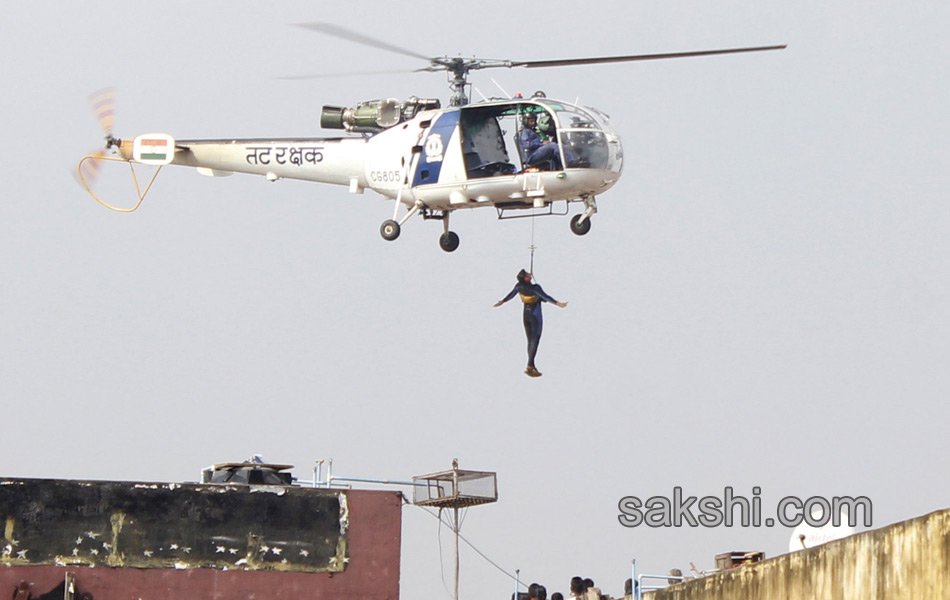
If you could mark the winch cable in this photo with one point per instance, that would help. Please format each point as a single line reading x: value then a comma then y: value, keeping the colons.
x: 532, y: 247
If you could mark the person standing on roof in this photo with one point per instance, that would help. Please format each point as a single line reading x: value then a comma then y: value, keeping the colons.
x: 532, y: 296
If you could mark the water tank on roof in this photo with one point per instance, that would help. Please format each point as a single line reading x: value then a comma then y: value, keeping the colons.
x: 254, y: 471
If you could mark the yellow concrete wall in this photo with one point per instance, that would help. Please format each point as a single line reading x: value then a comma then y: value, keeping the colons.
x: 908, y: 560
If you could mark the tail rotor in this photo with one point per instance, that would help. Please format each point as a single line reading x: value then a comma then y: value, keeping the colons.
x: 103, y: 105
x: 118, y: 150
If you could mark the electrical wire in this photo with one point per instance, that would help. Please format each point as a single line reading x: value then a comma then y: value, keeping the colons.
x: 470, y: 545
x: 448, y: 592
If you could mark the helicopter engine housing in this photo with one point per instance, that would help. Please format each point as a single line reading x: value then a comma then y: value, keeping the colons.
x: 366, y: 117
x: 373, y: 116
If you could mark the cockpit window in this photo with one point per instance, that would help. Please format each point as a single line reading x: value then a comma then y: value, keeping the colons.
x: 495, y: 140
x: 585, y: 149
x: 572, y: 117
x: 582, y: 142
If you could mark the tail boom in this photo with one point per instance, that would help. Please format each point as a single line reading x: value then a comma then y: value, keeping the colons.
x: 335, y: 160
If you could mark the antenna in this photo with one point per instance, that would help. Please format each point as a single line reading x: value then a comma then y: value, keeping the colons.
x: 498, y: 85
x: 807, y: 536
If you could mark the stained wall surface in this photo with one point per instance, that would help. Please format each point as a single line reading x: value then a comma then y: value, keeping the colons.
x: 910, y: 559
x: 148, y: 540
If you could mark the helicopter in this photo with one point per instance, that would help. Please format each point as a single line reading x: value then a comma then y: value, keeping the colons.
x: 431, y: 160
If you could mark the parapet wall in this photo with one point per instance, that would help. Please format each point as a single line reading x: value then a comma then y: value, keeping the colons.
x: 907, y: 560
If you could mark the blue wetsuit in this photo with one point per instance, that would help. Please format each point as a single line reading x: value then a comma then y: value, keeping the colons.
x: 532, y: 295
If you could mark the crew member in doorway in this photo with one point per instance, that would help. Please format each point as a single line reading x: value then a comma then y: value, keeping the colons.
x: 532, y: 296
x: 537, y: 149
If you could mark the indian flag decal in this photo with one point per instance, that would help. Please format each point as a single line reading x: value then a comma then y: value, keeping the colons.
x: 154, y: 149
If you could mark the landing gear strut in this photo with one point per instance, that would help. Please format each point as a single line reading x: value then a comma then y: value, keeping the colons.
x: 449, y: 240
x: 580, y: 224
x: 391, y: 228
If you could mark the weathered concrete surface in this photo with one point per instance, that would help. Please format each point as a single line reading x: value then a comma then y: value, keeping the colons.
x: 120, y: 524
x: 907, y: 560
x: 50, y: 528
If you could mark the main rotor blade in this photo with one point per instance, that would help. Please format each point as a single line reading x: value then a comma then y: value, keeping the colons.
x: 359, y: 38
x: 350, y: 74
x: 612, y: 59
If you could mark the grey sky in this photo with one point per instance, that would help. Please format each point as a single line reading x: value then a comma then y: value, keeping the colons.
x: 762, y: 300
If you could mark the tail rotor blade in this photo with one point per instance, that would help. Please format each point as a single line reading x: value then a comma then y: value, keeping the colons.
x: 89, y: 168
x: 103, y: 104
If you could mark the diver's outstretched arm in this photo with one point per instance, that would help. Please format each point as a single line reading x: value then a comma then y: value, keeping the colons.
x: 510, y: 295
x: 547, y: 297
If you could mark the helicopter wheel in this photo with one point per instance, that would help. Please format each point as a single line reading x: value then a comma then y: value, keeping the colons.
x: 449, y: 241
x: 389, y: 230
x: 580, y: 228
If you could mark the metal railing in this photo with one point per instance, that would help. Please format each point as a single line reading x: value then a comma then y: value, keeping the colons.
x: 638, y: 585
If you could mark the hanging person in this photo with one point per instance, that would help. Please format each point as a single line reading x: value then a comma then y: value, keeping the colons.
x: 532, y: 296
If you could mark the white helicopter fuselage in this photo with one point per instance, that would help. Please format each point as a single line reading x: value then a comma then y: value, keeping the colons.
x: 436, y: 162
x: 432, y: 160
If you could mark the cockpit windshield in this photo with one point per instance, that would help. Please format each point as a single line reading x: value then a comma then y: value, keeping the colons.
x: 543, y: 135
x: 572, y: 116
x: 585, y: 137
